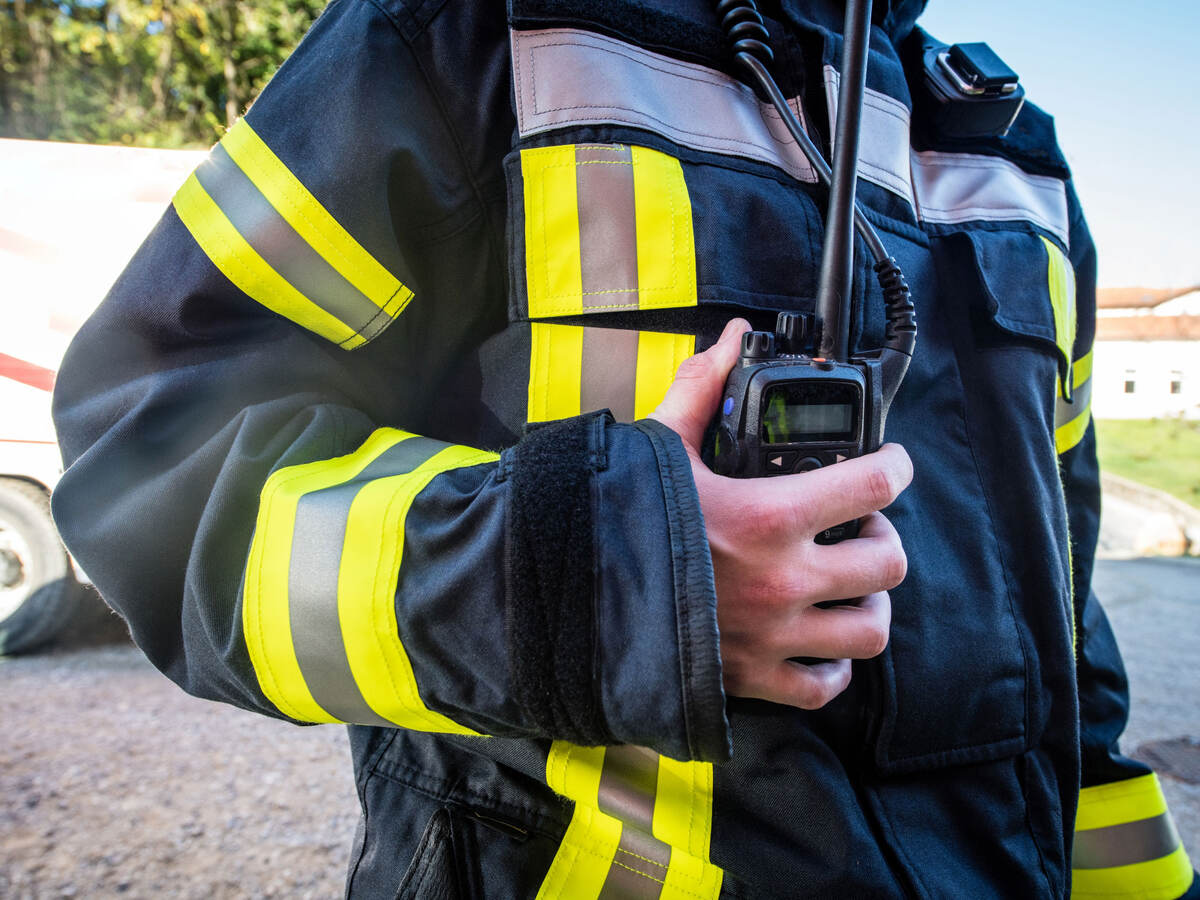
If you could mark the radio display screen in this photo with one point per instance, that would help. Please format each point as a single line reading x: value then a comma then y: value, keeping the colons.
x: 811, y: 411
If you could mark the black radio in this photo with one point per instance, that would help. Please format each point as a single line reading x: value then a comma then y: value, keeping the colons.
x: 798, y: 400
x: 785, y: 411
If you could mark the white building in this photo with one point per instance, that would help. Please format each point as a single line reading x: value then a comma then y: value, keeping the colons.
x: 1147, y: 357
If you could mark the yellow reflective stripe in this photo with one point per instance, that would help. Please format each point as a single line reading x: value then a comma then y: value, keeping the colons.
x: 1083, y: 369
x: 1061, y: 279
x: 265, y: 620
x: 553, y: 270
x: 581, y: 865
x: 666, y: 252
x: 574, y: 772
x: 683, y: 811
x: 588, y: 848
x: 370, y: 568
x: 248, y: 271
x: 659, y: 357
x: 312, y: 221
x: 555, y: 371
x: 1119, y: 802
x: 1157, y: 879
x: 682, y: 818
x: 683, y: 805
x: 1070, y: 433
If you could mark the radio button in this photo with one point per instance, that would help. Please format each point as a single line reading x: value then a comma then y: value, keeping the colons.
x: 807, y: 464
x: 779, y: 461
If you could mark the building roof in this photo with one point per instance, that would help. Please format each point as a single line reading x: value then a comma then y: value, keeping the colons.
x: 1139, y: 297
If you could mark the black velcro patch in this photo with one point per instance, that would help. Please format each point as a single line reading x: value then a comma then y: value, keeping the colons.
x: 550, y: 578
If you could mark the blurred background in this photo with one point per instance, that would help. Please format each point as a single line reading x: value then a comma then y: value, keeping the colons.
x: 112, y: 782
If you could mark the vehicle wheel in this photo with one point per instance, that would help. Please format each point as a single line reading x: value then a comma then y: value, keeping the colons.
x: 39, y: 595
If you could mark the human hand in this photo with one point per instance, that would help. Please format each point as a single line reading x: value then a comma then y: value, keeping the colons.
x: 770, y: 574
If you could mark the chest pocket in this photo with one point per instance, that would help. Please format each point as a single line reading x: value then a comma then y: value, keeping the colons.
x: 981, y: 626
x: 637, y: 241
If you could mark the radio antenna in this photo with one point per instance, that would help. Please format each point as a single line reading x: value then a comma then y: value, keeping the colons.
x: 837, y: 261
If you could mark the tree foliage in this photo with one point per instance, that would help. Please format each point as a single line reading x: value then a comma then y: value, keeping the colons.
x: 159, y: 73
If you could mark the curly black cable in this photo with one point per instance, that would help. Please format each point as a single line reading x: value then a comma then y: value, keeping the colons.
x: 748, y: 36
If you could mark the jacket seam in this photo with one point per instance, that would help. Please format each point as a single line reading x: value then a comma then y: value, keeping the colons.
x: 497, y: 259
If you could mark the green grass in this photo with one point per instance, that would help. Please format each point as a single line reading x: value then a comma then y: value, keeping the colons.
x: 1163, y: 453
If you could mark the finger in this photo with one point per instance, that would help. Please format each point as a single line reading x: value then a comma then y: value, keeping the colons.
x: 692, y: 399
x: 873, y: 561
x: 858, y: 631
x: 806, y: 686
x: 826, y: 497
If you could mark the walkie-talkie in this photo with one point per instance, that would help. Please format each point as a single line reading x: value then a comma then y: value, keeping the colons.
x: 798, y: 400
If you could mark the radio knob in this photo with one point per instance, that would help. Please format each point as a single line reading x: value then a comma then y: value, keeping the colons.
x: 758, y: 345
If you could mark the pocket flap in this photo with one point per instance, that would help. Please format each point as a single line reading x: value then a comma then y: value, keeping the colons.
x: 1029, y: 288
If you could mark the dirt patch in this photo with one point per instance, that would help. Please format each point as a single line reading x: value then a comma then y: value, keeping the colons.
x: 113, y: 782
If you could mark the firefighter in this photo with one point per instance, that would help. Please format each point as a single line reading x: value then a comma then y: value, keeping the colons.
x: 372, y: 430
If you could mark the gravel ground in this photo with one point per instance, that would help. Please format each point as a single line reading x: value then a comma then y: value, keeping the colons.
x: 113, y: 782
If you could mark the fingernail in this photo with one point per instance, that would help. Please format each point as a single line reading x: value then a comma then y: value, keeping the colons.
x: 733, y: 329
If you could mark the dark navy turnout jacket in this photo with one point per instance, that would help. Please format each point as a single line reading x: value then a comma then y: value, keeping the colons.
x: 359, y: 436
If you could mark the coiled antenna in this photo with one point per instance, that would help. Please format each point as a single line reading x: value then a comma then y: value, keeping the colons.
x: 749, y: 41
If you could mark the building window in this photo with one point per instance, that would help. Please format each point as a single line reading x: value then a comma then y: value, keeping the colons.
x: 1176, y: 382
x: 1129, y: 385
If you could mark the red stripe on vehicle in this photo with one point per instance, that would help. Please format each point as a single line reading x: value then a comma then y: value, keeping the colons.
x: 26, y: 373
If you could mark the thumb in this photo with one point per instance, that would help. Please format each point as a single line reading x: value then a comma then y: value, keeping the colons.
x: 693, y: 396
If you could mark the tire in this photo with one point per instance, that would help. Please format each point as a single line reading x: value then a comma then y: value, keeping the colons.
x: 39, y: 596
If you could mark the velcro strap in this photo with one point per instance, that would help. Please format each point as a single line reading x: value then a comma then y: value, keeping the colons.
x: 550, y: 577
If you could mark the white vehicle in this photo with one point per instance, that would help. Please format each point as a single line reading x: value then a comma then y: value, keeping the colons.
x: 71, y: 215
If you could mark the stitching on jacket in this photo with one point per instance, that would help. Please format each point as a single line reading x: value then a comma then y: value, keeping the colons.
x: 672, y: 196
x: 644, y: 859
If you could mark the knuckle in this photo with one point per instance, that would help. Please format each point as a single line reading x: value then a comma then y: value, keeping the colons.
x: 895, y: 566
x: 879, y: 489
x: 694, y: 367
x: 874, y: 640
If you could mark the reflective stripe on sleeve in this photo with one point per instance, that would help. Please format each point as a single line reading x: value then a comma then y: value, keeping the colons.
x: 638, y: 819
x: 273, y: 239
x: 575, y: 369
x: 1071, y: 418
x: 1061, y: 283
x: 607, y: 227
x: 1126, y: 845
x: 319, y: 608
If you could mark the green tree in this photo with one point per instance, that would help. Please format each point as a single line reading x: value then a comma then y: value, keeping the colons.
x: 150, y: 72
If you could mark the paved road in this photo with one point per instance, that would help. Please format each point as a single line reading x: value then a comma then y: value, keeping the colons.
x: 1154, y: 607
x: 115, y: 783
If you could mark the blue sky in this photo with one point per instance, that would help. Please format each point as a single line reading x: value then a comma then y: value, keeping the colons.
x: 1123, y: 83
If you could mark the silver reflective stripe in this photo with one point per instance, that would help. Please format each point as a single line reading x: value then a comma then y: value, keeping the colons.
x: 1125, y: 844
x: 628, y: 784
x: 639, y: 867
x: 283, y: 249
x: 607, y: 225
x: 883, y: 147
x: 628, y: 787
x: 1081, y: 398
x: 608, y: 379
x: 948, y: 188
x: 320, y: 530
x: 566, y: 76
x: 964, y: 187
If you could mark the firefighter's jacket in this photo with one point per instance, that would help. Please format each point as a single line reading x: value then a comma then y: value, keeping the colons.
x: 338, y: 451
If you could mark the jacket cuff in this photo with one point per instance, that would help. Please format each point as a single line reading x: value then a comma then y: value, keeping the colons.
x: 611, y: 604
x: 707, y: 729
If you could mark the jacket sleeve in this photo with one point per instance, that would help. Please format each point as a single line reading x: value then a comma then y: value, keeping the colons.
x: 1125, y: 842
x: 247, y: 486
